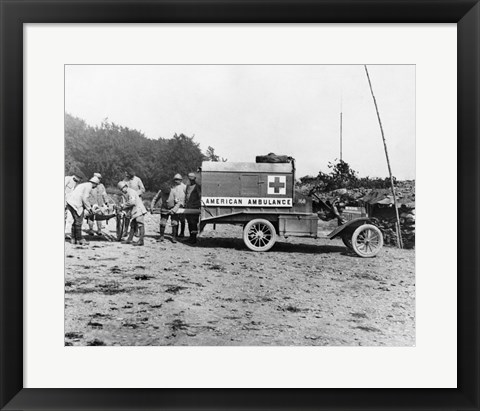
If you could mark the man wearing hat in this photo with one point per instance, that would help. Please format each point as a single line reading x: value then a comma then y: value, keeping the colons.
x: 193, y: 201
x: 179, y: 192
x: 77, y: 204
x: 134, y: 182
x: 169, y: 206
x: 134, y: 203
x: 337, y: 208
x: 98, y: 198
x: 70, y: 184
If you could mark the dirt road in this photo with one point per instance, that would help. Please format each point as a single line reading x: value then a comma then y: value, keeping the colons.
x: 302, y: 292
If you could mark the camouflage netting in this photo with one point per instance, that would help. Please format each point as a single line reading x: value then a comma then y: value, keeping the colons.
x: 379, y: 204
x: 407, y: 224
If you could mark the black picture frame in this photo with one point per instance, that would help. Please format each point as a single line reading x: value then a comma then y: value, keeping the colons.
x: 14, y: 13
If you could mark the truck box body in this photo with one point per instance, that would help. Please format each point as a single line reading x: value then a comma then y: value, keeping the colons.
x: 232, y: 192
x: 247, y: 181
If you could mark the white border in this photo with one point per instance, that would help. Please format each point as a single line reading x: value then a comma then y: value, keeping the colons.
x: 432, y: 363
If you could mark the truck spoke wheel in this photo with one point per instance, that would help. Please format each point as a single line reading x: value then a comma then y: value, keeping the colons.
x: 259, y: 235
x: 367, y: 240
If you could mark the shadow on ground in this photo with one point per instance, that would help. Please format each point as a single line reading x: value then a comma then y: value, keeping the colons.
x: 279, y: 247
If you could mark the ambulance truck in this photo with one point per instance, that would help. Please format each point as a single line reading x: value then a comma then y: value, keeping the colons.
x: 261, y: 198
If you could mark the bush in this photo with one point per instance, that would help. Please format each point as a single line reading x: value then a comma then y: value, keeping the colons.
x: 342, y: 176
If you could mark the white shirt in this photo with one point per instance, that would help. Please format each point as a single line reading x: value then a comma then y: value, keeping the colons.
x: 70, y: 184
x: 78, y: 198
x: 135, y: 184
x: 134, y: 202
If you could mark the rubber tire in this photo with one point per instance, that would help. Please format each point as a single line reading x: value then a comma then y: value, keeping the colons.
x: 356, y: 234
x: 266, y: 223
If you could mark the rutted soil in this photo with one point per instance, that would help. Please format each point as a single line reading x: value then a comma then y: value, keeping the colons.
x: 302, y: 292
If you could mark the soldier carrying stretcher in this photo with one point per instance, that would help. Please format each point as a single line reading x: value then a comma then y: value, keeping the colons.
x: 100, y: 201
x: 193, y: 201
x: 78, y: 204
x: 171, y: 202
x: 178, y: 189
x: 134, y: 204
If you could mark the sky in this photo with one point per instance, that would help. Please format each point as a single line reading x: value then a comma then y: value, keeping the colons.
x: 248, y: 110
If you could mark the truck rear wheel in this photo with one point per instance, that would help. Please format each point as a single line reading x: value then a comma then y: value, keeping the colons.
x: 259, y: 235
x: 367, y: 240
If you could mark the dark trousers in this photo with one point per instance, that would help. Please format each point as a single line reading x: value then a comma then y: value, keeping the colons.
x: 77, y: 223
x: 181, y: 220
x: 192, y: 220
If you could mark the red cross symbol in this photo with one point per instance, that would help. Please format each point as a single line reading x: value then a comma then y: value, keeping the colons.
x: 276, y: 185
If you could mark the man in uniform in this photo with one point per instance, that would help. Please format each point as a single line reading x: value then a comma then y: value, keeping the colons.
x: 98, y: 197
x: 193, y: 201
x: 77, y: 204
x: 134, y: 182
x: 70, y: 184
x: 135, y: 204
x: 337, y: 208
x: 179, y: 193
x: 169, y: 206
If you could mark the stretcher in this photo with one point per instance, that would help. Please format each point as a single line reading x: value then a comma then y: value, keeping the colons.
x: 182, y: 211
x: 122, y: 220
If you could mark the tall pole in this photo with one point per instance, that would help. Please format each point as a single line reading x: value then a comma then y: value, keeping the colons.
x: 341, y: 126
x: 399, y: 233
x: 341, y: 136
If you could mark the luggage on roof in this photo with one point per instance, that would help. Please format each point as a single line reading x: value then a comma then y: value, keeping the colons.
x: 273, y: 158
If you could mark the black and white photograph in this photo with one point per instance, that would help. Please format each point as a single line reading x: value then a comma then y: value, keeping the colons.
x: 240, y: 205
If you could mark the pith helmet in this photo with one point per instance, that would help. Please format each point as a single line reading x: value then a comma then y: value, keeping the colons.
x: 121, y: 184
x: 192, y: 175
x: 177, y: 177
x: 95, y: 180
x: 97, y: 175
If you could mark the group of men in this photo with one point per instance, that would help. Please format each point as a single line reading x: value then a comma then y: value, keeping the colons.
x: 86, y: 199
x: 172, y: 199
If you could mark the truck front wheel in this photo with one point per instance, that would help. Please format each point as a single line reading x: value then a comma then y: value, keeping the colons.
x: 259, y: 235
x: 367, y: 240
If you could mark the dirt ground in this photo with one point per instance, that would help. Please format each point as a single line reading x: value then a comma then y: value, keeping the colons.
x: 303, y: 292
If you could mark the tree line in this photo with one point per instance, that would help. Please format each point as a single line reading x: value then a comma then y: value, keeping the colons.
x: 110, y: 149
